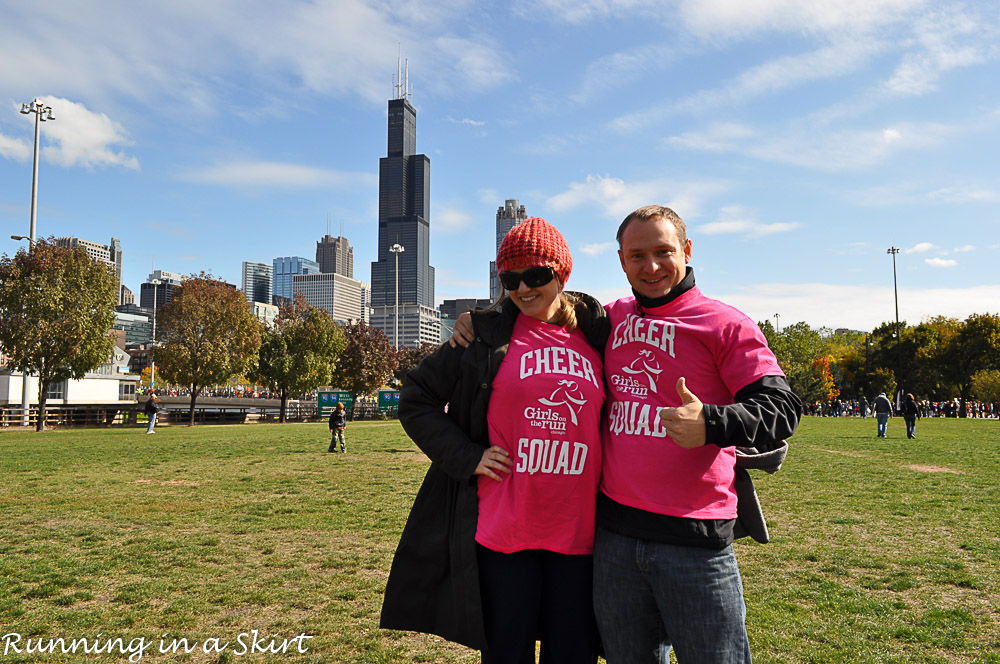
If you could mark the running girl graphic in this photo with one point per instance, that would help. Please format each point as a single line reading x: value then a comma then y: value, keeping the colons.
x: 568, y: 394
x: 650, y: 367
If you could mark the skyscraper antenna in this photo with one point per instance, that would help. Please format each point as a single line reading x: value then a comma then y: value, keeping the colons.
x: 406, y: 90
x: 399, y: 79
x: 341, y: 228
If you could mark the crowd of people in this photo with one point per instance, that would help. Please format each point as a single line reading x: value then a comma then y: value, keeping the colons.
x: 862, y: 408
x: 225, y: 392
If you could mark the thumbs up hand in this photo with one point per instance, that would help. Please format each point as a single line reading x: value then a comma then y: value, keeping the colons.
x: 685, y: 423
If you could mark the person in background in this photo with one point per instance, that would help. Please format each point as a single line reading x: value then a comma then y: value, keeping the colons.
x: 497, y: 550
x: 151, y: 409
x: 911, y: 413
x: 338, y: 422
x: 882, y: 408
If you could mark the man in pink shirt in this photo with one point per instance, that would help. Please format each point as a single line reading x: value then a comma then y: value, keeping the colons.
x: 688, y: 379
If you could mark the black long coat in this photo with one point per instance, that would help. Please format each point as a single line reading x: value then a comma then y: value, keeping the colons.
x: 433, y: 585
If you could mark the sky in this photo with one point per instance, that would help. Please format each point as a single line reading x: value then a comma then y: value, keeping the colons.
x: 798, y: 140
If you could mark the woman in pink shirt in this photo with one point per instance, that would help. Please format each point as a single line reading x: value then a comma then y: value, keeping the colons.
x: 497, y: 551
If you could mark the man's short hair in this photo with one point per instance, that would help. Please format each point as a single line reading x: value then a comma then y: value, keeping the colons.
x: 652, y: 212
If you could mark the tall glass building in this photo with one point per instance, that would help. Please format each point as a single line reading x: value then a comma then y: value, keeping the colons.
x: 404, y: 183
x: 284, y: 269
x: 257, y: 282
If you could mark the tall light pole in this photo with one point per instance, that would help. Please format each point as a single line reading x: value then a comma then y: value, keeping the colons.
x: 396, y: 249
x: 899, y: 352
x: 777, y: 326
x: 42, y: 113
x: 152, y: 358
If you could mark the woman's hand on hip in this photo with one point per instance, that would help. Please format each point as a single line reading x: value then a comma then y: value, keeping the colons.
x: 495, y: 458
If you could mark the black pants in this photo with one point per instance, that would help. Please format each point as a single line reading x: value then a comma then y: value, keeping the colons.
x: 538, y: 595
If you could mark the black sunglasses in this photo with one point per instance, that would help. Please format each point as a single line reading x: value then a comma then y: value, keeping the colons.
x: 533, y: 277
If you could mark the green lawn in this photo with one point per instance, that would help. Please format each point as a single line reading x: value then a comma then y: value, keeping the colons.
x: 882, y: 551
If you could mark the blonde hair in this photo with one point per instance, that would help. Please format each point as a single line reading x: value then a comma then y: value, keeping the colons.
x: 566, y: 316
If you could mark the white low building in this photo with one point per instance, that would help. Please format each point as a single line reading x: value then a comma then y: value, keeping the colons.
x: 109, y: 383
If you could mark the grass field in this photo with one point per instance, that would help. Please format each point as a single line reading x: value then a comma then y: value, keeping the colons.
x: 882, y: 550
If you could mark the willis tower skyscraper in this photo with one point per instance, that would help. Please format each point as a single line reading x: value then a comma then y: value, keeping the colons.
x: 404, y: 233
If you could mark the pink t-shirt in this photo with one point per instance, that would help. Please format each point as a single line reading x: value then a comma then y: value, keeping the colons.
x: 545, y: 410
x: 718, y: 350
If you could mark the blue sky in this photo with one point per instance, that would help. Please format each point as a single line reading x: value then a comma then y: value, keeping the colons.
x: 799, y: 140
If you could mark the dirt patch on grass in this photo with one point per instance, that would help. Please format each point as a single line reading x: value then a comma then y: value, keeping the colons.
x: 143, y: 480
x: 934, y: 469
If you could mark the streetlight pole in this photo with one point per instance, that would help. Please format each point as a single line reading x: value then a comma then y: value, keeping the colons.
x: 899, y: 352
x: 42, y: 113
x: 152, y: 358
x: 777, y: 326
x: 396, y: 249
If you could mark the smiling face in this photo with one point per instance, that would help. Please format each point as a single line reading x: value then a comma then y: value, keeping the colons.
x: 541, y: 302
x: 653, y: 256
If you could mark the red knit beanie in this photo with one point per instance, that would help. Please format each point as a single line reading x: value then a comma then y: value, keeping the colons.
x: 535, y: 242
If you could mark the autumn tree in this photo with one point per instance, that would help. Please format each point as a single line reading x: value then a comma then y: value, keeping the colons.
x: 975, y: 348
x: 986, y: 385
x: 208, y: 336
x: 299, y: 353
x: 56, y: 309
x: 368, y: 361
x: 797, y: 349
x: 409, y: 357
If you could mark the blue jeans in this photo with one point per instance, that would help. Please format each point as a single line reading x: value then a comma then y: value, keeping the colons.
x: 882, y: 419
x: 152, y: 423
x: 650, y: 597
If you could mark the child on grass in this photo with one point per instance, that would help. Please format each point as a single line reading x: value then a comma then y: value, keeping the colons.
x: 338, y: 422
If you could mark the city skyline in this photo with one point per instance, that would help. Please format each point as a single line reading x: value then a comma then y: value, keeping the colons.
x: 798, y: 141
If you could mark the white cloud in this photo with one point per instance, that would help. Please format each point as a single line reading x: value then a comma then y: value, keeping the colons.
x: 13, y: 148
x: 183, y: 56
x: 619, y: 69
x: 725, y: 18
x: 962, y: 250
x: 449, y: 219
x: 78, y: 136
x: 941, y: 262
x: 719, y: 137
x: 921, y: 248
x: 944, y: 39
x: 616, y: 198
x: 745, y: 227
x: 843, y: 150
x: 488, y: 195
x: 763, y: 79
x: 837, y: 305
x: 274, y: 175
x: 965, y: 194
x: 583, y: 11
x: 465, y: 121
x: 735, y: 221
x: 598, y: 248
